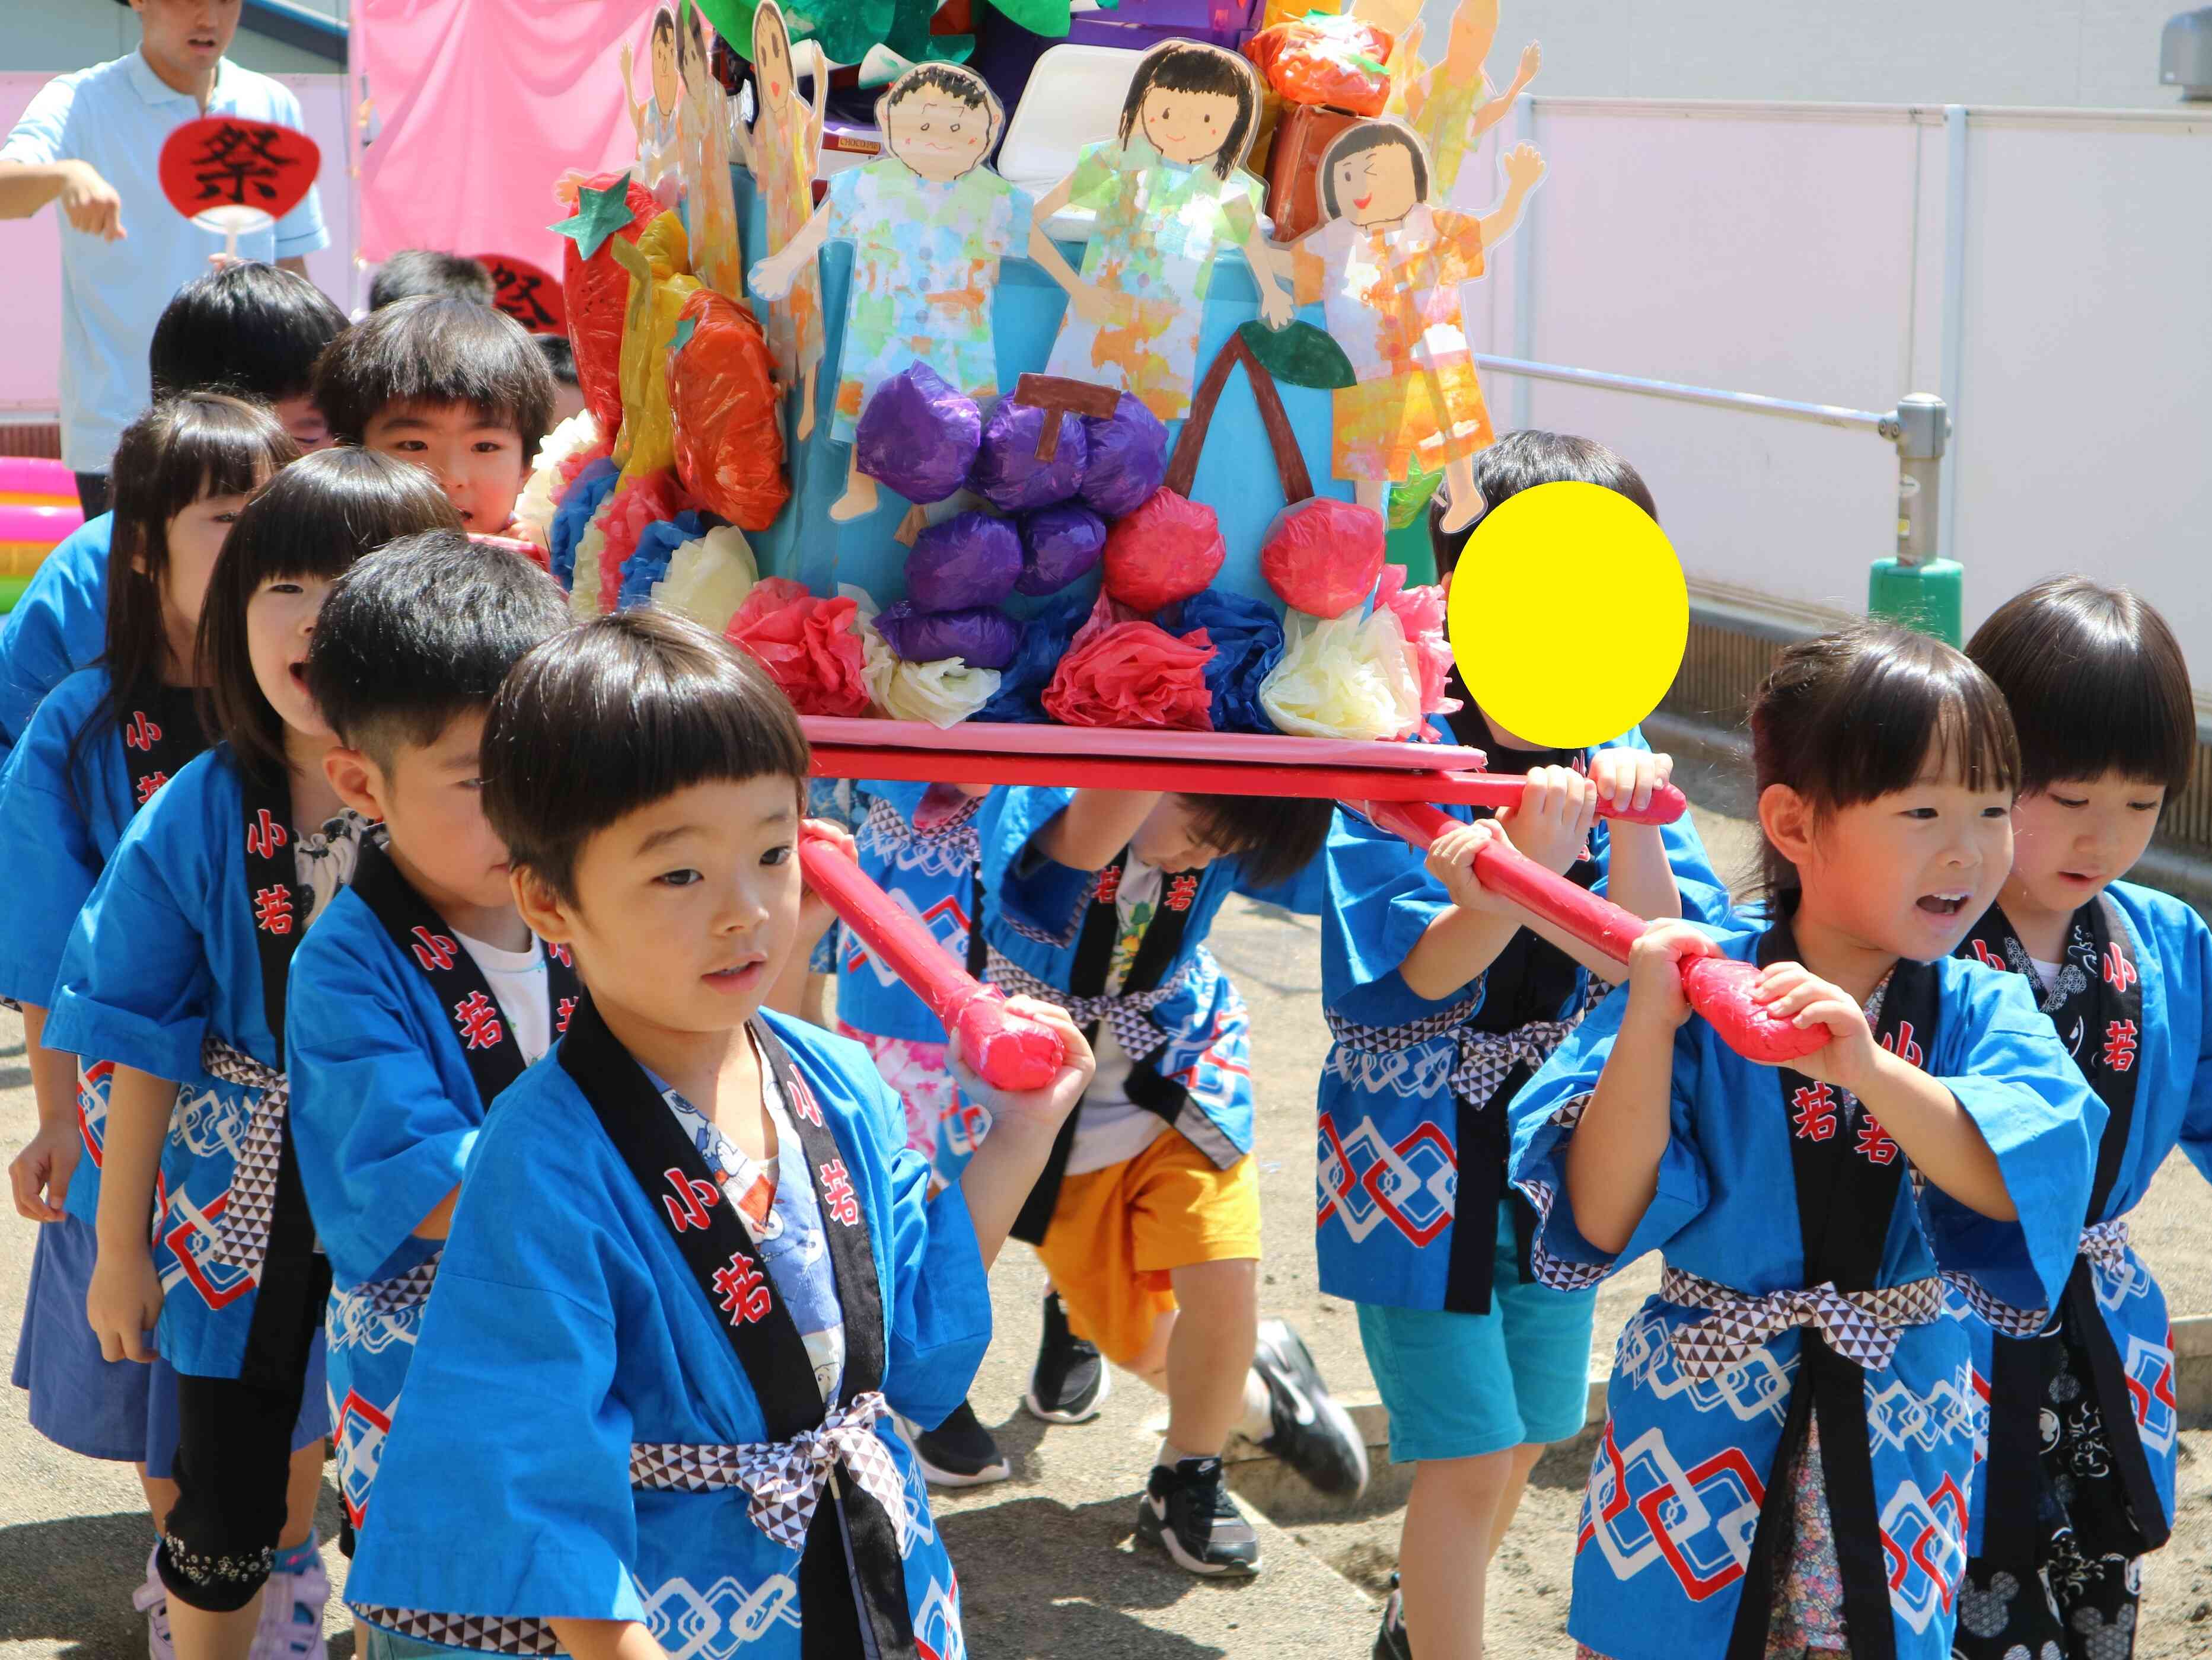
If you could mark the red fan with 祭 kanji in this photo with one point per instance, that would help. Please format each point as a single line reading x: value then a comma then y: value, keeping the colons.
x: 529, y: 293
x: 232, y: 175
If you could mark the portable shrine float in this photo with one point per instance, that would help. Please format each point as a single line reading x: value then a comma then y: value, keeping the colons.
x: 1065, y: 470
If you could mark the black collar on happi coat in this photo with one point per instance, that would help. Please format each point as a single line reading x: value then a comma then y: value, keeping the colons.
x: 727, y: 1267
x: 1100, y: 931
x: 2096, y: 1007
x: 489, y: 1041
x: 160, y: 734
x: 1848, y: 1174
x: 294, y: 1278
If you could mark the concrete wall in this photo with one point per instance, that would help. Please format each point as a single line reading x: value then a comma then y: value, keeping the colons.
x: 2095, y: 54
x: 53, y: 36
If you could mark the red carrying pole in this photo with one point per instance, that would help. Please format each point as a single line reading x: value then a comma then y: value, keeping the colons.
x: 1719, y: 988
x: 1008, y: 1051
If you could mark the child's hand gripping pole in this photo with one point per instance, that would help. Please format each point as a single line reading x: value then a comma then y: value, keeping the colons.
x: 1718, y: 988
x: 1007, y: 1050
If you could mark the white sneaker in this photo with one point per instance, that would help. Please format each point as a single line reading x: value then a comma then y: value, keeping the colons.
x: 291, y: 1625
x: 152, y: 1600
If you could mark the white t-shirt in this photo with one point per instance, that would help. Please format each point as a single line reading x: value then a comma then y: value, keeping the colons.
x: 1110, y: 1128
x: 519, y: 987
x: 2047, y: 973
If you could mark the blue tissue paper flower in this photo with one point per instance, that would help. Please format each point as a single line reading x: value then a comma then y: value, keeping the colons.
x: 591, y: 486
x: 1247, y: 642
x: 648, y: 562
x: 1020, y: 697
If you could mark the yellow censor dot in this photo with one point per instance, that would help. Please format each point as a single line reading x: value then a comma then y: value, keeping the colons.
x: 1568, y: 615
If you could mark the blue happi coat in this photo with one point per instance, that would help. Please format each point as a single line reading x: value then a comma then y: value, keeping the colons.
x: 1674, y: 1503
x: 58, y: 627
x: 163, y: 958
x: 66, y: 796
x: 1388, y: 1162
x: 385, y: 1108
x: 2170, y: 1052
x: 1033, y: 917
x: 567, y: 1329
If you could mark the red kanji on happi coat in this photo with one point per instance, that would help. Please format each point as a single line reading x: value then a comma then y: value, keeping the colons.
x: 2119, y: 973
x: 1815, y: 1112
x: 2120, y: 1039
x: 477, y: 1017
x: 272, y: 908
x: 142, y: 733
x: 689, y: 1205
x: 837, y: 1197
x: 433, y: 951
x: 744, y: 1295
x: 1874, y: 1144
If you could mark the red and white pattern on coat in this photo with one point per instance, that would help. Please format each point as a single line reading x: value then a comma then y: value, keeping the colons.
x: 359, y: 1427
x: 2149, y: 1369
x: 1645, y: 1359
x: 693, y: 1624
x: 1222, y: 1067
x: 937, y: 1634
x: 191, y: 1233
x: 1642, y: 1507
x: 1365, y: 1181
x: 93, y: 1083
x: 1924, y: 1540
x: 947, y: 921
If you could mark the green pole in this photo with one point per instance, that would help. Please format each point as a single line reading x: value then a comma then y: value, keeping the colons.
x: 1917, y: 586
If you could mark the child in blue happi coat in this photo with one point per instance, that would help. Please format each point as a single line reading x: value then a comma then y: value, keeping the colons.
x: 249, y: 330
x: 2079, y: 1483
x: 1792, y: 1422
x: 420, y: 994
x: 694, y: 1269
x: 98, y: 749
x: 1147, y: 1218
x: 1442, y: 1002
x: 175, y: 973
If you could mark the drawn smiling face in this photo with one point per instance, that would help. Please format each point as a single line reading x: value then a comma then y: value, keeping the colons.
x: 1376, y: 186
x: 938, y: 137
x: 1188, y: 127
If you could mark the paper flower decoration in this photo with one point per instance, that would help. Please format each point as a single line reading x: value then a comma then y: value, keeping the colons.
x: 1345, y: 677
x: 708, y: 578
x: 1169, y: 549
x: 983, y: 636
x: 1420, y: 613
x: 1045, y: 638
x: 629, y: 511
x: 1248, y: 643
x: 562, y: 455
x: 970, y: 559
x: 944, y: 692
x: 918, y: 435
x: 1125, y: 672
x: 808, y: 644
x: 579, y: 503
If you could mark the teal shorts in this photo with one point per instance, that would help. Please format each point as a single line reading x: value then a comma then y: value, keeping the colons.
x: 382, y: 1645
x: 1461, y: 1385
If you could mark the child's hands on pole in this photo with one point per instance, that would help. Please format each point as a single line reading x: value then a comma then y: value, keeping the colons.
x: 1655, y: 970
x: 1790, y: 992
x: 1625, y: 779
x: 1551, y: 824
x: 1044, y: 1108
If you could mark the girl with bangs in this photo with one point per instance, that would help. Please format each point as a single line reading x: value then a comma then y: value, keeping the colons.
x: 1793, y: 1422
x: 175, y: 974
x: 102, y: 743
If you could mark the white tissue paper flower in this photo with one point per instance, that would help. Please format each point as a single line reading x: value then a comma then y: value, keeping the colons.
x: 533, y: 508
x: 944, y: 692
x: 1346, y: 677
x: 708, y: 577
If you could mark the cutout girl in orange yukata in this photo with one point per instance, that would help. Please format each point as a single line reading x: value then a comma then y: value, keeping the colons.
x: 1387, y: 268
x: 781, y: 149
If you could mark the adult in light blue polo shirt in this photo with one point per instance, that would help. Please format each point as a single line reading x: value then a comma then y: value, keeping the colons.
x: 94, y: 140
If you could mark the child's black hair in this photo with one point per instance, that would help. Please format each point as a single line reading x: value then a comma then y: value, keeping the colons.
x: 615, y: 715
x: 1521, y: 461
x: 183, y: 449
x: 663, y: 23
x: 1185, y: 66
x: 423, y: 631
x: 416, y: 273
x: 313, y: 519
x: 969, y: 89
x: 248, y: 328
x: 1272, y: 836
x: 1371, y: 135
x: 560, y: 357
x: 1853, y: 715
x: 2096, y: 683
x: 436, y: 352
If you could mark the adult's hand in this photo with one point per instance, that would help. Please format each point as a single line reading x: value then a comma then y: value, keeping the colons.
x: 91, y: 202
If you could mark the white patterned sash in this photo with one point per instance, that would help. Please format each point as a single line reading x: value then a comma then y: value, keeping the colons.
x: 242, y: 1238
x: 1861, y: 1326
x: 1128, y: 1014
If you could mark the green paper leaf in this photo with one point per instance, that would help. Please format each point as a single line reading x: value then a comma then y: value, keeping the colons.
x: 1363, y: 61
x: 1299, y: 354
x: 1048, y: 17
x: 599, y: 215
x: 688, y: 326
x: 1410, y: 500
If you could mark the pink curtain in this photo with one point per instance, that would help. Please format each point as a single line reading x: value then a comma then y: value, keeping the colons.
x: 481, y: 106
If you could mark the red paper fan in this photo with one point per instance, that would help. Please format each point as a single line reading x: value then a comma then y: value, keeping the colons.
x: 234, y: 176
x: 529, y: 293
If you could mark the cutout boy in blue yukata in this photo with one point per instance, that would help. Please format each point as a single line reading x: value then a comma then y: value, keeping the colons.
x: 694, y: 1269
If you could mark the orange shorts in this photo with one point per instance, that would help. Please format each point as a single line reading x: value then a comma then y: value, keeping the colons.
x: 1116, y: 1233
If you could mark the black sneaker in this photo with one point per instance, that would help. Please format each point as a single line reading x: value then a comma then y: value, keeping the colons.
x: 1069, y: 1382
x: 1390, y: 1642
x: 1312, y: 1434
x: 1188, y: 1512
x: 959, y: 1452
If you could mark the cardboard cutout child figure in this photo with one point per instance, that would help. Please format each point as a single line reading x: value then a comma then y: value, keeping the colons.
x: 654, y: 117
x: 710, y: 201
x: 781, y: 149
x: 1449, y: 104
x: 1169, y: 194
x: 1387, y: 268
x: 929, y: 223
